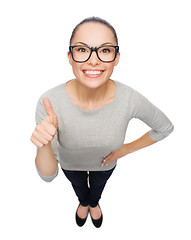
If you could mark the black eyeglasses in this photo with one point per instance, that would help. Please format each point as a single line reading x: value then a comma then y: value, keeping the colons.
x: 81, y: 53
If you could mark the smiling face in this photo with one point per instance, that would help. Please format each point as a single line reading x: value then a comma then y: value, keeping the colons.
x: 93, y: 72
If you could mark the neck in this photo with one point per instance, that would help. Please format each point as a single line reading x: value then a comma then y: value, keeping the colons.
x: 91, y: 96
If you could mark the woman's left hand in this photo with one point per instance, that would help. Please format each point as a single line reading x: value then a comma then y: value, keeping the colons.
x: 121, y: 152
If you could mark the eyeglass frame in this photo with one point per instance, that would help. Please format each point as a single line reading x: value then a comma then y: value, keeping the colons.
x: 92, y: 49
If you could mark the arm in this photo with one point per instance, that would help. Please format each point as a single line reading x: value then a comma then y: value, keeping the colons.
x: 160, y: 125
x: 46, y: 159
x: 147, y: 112
x: 127, y: 148
x: 142, y: 142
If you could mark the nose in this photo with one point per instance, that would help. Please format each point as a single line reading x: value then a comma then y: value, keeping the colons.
x: 94, y: 60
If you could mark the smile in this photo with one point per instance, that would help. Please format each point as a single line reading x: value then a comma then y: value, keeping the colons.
x: 93, y: 73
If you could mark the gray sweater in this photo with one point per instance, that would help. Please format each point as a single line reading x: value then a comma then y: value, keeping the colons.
x: 85, y: 137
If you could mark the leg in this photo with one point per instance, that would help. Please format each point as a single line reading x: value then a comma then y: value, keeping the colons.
x: 78, y: 180
x: 97, y: 180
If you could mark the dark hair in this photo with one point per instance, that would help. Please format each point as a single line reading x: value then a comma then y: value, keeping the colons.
x: 96, y: 20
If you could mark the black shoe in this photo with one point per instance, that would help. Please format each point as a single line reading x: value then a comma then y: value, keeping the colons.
x: 97, y: 222
x: 80, y: 221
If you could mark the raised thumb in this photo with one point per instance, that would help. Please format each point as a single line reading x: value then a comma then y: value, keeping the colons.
x: 49, y: 108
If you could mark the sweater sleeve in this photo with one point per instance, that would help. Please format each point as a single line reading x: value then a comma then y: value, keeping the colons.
x: 144, y: 110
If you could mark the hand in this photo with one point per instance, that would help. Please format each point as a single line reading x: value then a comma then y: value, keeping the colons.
x: 44, y: 132
x: 121, y: 152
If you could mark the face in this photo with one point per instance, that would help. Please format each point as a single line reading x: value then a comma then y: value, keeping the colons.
x: 93, y: 35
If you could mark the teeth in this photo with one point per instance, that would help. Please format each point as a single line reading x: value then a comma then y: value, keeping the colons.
x: 93, y: 72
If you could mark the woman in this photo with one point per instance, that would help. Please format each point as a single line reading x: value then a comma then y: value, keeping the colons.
x: 82, y: 123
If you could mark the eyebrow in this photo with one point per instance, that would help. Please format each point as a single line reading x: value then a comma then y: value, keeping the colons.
x: 85, y: 44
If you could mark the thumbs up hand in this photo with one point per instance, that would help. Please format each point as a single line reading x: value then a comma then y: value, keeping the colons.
x: 44, y: 132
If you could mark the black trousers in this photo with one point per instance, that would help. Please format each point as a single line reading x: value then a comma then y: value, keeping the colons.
x: 88, y: 194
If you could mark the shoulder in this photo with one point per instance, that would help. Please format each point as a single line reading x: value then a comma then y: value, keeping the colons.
x: 53, y: 92
x: 124, y: 90
x: 128, y: 92
x: 135, y: 100
x: 124, y: 86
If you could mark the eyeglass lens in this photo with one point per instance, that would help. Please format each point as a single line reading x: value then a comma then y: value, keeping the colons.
x: 105, y: 53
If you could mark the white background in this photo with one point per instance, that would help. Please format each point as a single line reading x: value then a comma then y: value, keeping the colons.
x: 148, y: 195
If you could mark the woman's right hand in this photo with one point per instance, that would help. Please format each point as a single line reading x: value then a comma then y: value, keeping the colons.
x: 44, y: 132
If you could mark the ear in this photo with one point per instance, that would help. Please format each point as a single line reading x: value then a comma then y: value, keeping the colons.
x: 117, y: 59
x: 70, y: 58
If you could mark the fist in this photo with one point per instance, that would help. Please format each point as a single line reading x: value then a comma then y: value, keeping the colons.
x: 44, y: 132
